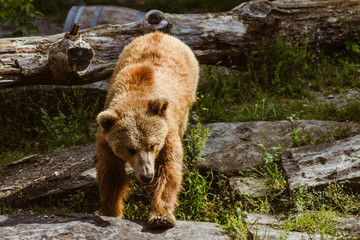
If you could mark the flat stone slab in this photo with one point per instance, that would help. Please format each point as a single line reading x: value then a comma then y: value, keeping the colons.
x: 248, y: 186
x: 37, y: 176
x: 316, y: 165
x: 263, y: 226
x: 78, y: 226
x: 234, y: 147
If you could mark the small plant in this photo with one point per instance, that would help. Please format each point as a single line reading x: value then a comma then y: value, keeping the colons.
x: 333, y: 197
x: 44, y: 122
x: 197, y: 187
x: 280, y: 66
x: 77, y: 201
x: 223, y: 89
x: 19, y: 13
x: 195, y: 195
x: 348, y: 129
x: 322, y: 222
x: 235, y: 225
x: 207, y: 197
x: 353, y: 43
x: 299, y: 138
x: 137, y: 203
x: 271, y: 169
x: 74, y: 127
x: 193, y: 144
x: 5, y: 207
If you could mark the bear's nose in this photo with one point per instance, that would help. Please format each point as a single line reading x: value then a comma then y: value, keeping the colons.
x: 146, y: 178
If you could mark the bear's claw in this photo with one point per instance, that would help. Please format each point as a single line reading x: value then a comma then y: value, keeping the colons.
x: 159, y: 221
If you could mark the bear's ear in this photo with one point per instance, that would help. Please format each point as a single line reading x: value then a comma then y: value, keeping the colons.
x: 159, y: 105
x: 106, y: 119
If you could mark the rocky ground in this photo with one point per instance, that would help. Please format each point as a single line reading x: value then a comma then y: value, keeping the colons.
x: 79, y: 226
x: 232, y: 147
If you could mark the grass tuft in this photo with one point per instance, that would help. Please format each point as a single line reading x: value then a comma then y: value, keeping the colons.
x: 46, y: 121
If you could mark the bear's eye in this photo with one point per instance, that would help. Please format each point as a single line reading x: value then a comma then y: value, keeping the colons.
x: 151, y: 148
x: 131, y: 150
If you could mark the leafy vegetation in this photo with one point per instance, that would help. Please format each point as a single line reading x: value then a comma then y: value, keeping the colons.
x: 300, y: 138
x: 19, y: 13
x: 353, y: 43
x: 47, y: 121
x: 321, y: 222
x: 5, y: 207
x: 282, y: 79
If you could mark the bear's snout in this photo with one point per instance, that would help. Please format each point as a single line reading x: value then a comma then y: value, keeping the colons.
x: 145, y: 167
x: 146, y: 178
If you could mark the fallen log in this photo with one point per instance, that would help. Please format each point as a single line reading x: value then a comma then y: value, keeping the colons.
x: 216, y: 38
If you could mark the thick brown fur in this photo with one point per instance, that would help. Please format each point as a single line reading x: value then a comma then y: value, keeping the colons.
x: 144, y: 119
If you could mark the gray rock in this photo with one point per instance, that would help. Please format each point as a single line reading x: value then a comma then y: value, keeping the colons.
x: 340, y: 99
x: 354, y: 95
x: 58, y: 172
x: 38, y: 176
x: 349, y: 224
x: 248, y: 186
x: 77, y: 226
x: 263, y: 226
x: 234, y: 147
x: 260, y: 232
x: 316, y: 165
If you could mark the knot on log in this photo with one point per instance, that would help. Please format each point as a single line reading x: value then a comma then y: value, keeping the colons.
x: 69, y: 60
x: 258, y: 9
x: 155, y: 20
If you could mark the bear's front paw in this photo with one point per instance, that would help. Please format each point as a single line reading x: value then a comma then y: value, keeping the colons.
x: 162, y: 221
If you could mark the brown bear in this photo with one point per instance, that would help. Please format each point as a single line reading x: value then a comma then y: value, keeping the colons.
x: 144, y: 119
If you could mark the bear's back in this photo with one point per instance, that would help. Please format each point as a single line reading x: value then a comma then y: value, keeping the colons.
x: 163, y: 51
x: 171, y: 69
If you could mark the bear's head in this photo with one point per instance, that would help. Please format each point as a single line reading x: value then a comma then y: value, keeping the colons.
x: 137, y: 135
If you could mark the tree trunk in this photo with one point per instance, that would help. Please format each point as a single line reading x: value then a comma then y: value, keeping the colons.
x: 216, y: 38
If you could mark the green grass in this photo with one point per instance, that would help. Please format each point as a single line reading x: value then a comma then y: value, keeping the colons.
x: 5, y: 207
x: 18, y: 13
x: 282, y: 78
x: 78, y: 201
x: 46, y: 121
x: 312, y: 222
x: 300, y: 138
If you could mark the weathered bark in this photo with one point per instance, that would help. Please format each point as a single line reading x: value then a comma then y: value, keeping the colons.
x: 71, y: 58
x: 216, y: 38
